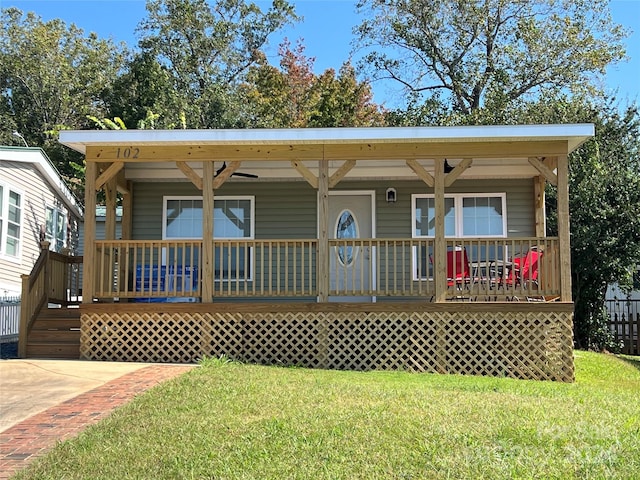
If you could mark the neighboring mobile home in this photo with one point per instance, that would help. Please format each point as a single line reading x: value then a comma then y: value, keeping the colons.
x: 351, y: 248
x: 36, y: 205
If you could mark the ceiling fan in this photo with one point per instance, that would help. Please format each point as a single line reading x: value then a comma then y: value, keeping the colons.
x: 234, y: 174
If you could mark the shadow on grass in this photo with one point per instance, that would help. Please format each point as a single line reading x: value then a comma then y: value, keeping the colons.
x: 633, y: 361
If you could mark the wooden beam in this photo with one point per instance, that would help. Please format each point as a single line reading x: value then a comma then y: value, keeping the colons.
x: 323, y: 231
x: 108, y: 174
x: 564, y: 233
x: 306, y: 173
x: 126, y: 228
x: 316, y: 152
x: 111, y: 199
x: 190, y: 173
x: 89, y: 273
x: 121, y: 183
x: 546, y: 172
x: 208, y: 257
x: 539, y: 202
x: 341, y: 172
x: 225, y: 174
x: 440, y: 244
x: 453, y: 175
x: 419, y: 170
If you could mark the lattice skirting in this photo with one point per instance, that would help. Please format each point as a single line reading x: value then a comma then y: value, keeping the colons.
x: 519, y: 344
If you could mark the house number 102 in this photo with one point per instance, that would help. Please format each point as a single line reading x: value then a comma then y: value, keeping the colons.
x: 128, y: 152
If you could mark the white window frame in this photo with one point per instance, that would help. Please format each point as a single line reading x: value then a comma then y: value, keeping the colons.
x: 4, y: 217
x: 459, y: 220
x: 457, y: 206
x: 250, y: 198
x: 53, y: 240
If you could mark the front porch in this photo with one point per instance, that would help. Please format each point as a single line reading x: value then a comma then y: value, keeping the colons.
x: 382, y: 248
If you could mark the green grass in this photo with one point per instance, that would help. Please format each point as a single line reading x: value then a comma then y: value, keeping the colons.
x: 232, y: 421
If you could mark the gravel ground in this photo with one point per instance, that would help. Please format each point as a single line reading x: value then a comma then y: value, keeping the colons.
x: 9, y: 350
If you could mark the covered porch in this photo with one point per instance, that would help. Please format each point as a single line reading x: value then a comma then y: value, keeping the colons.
x: 387, y: 275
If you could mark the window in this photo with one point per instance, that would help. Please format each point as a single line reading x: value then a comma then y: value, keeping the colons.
x: 56, y: 228
x: 233, y: 218
x: 10, y: 221
x: 466, y: 215
x: 347, y: 227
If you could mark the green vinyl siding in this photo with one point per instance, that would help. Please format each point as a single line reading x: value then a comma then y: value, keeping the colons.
x: 289, y: 210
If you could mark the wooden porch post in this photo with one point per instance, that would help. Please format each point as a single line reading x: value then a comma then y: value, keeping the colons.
x: 440, y: 245
x: 564, y: 227
x: 207, y: 231
x: 539, y: 202
x: 111, y: 196
x: 126, y: 224
x: 89, y: 274
x: 323, y: 231
x: 126, y: 233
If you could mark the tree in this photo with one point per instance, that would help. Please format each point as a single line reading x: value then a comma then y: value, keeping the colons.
x: 144, y: 92
x: 604, y: 186
x: 52, y: 77
x: 207, y: 50
x: 489, y: 52
x: 293, y: 96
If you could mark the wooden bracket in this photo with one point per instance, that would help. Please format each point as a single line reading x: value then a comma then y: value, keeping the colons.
x: 226, y: 173
x: 419, y: 170
x: 453, y: 175
x: 306, y: 173
x: 190, y: 173
x: 546, y: 172
x: 341, y: 172
x: 108, y: 174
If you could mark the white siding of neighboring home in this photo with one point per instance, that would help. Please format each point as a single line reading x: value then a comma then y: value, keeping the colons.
x: 37, y: 194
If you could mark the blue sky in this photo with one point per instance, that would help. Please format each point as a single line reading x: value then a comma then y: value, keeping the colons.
x: 326, y: 32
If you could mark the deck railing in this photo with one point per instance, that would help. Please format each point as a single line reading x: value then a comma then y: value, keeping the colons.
x: 380, y: 267
x: 55, y: 278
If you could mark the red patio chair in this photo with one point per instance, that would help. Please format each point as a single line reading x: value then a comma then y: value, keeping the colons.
x: 458, y: 269
x: 524, y: 270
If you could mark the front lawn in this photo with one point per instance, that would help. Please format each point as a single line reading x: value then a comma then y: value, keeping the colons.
x: 233, y: 421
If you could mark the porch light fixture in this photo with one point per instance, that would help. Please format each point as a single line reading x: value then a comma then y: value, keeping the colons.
x: 391, y: 195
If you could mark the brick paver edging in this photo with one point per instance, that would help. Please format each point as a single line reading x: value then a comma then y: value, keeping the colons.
x: 32, y: 437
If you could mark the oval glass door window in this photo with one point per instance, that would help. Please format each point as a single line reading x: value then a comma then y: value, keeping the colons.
x: 347, y: 228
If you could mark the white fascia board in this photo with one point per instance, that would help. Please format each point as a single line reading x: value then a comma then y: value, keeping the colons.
x: 574, y: 134
x: 39, y: 158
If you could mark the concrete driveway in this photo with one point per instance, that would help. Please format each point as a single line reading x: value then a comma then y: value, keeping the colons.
x: 31, y: 386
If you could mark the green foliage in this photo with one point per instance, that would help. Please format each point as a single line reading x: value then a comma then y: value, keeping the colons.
x: 293, y: 96
x: 604, y: 186
x: 199, y: 52
x: 489, y: 52
x: 52, y: 75
x: 107, y: 123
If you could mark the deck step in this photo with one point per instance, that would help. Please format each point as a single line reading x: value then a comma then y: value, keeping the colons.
x: 69, y: 351
x: 55, y: 334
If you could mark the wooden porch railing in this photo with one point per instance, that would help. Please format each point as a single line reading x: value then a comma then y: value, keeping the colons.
x: 380, y: 267
x: 55, y: 278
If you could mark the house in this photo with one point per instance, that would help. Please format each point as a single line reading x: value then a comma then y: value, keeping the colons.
x: 36, y: 205
x: 345, y: 248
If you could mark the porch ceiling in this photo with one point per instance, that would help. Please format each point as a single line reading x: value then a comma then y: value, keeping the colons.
x: 364, y: 170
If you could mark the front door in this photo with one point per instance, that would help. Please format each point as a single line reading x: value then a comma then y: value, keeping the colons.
x: 351, y: 268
